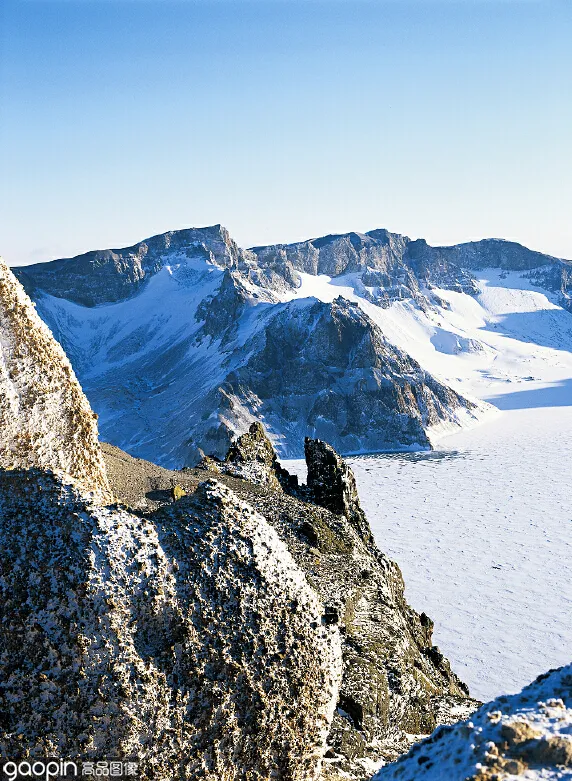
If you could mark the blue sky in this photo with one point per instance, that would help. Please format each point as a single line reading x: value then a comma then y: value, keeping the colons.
x: 450, y: 120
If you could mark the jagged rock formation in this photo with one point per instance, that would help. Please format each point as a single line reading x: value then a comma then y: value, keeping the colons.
x: 526, y: 735
x: 395, y: 681
x: 45, y: 419
x: 390, y: 267
x: 106, y: 276
x: 332, y: 485
x: 252, y: 457
x: 189, y: 640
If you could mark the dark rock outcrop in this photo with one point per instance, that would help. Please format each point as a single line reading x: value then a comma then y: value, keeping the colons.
x: 332, y: 485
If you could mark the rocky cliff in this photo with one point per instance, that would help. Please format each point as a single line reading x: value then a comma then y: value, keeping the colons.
x: 204, y: 638
x: 45, y: 419
x: 395, y: 682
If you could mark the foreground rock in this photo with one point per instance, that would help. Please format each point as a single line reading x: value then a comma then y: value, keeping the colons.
x: 189, y: 640
x: 395, y: 682
x: 45, y: 419
x: 526, y: 735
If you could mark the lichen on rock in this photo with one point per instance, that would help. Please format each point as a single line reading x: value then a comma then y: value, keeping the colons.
x: 190, y: 640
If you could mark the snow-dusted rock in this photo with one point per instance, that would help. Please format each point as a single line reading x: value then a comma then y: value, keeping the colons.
x: 326, y: 371
x: 189, y: 640
x: 252, y: 457
x: 525, y: 736
x: 45, y: 418
x: 395, y: 681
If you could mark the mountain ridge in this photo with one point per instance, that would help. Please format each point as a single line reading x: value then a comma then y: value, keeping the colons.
x: 183, y: 340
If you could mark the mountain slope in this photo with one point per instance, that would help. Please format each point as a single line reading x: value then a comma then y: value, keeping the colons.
x: 210, y: 343
x: 183, y: 340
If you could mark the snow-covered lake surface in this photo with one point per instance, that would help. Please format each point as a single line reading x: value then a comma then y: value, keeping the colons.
x: 482, y: 526
x: 482, y: 531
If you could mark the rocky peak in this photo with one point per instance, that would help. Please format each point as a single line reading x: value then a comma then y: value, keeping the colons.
x: 332, y: 484
x: 252, y: 457
x: 45, y: 419
x: 111, y: 275
x: 252, y: 446
x: 222, y: 311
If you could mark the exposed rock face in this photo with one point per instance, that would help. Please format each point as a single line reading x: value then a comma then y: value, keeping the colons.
x: 326, y: 371
x: 332, y: 484
x: 106, y: 276
x: 395, y: 682
x: 391, y: 267
x: 526, y: 735
x: 45, y: 419
x: 190, y: 639
x: 201, y: 338
x: 252, y: 457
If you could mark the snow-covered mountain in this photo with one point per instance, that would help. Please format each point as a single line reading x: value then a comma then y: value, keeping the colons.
x: 369, y: 341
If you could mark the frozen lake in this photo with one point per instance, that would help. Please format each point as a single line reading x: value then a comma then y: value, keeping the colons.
x: 482, y: 531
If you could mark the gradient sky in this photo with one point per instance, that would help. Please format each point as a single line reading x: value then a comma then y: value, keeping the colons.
x: 450, y: 120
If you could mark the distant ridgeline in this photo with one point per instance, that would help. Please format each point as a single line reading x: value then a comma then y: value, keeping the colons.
x: 184, y: 339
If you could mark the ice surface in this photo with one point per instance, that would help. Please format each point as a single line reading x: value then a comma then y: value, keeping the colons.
x: 482, y: 527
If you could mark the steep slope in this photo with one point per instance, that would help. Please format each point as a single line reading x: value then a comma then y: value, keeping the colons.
x: 527, y: 735
x: 45, y: 419
x: 395, y: 682
x: 213, y: 340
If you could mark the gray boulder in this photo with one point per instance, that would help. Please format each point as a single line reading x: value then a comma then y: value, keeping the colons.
x: 189, y: 640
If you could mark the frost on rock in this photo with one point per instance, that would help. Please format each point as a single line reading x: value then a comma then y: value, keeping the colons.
x: 251, y: 457
x: 189, y: 640
x: 396, y: 684
x: 45, y: 418
x: 526, y: 735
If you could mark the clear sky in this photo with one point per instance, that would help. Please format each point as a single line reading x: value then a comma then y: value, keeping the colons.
x: 444, y: 119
